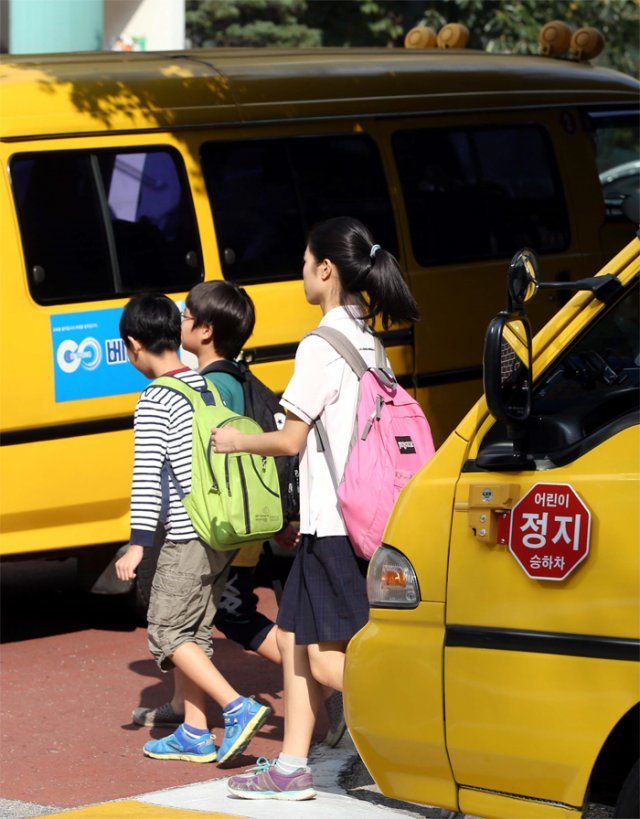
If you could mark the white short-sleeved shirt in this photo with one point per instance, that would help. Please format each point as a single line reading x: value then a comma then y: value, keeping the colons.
x: 324, y: 386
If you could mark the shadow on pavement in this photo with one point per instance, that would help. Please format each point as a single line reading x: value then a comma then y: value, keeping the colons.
x: 248, y: 672
x: 41, y: 598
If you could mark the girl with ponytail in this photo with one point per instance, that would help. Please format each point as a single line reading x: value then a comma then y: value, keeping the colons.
x: 369, y: 274
x: 353, y: 280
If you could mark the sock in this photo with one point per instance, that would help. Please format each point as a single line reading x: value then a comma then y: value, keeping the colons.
x: 234, y: 705
x: 192, y: 732
x: 287, y: 764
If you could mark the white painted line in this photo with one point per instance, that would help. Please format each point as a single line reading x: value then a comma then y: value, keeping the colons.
x: 326, y: 764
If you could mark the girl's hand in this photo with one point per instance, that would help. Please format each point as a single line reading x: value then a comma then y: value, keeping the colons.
x: 288, y: 538
x: 224, y: 440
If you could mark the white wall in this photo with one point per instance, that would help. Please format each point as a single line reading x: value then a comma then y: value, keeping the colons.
x: 159, y: 22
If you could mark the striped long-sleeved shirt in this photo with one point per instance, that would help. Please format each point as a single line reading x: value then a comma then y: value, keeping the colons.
x: 162, y: 431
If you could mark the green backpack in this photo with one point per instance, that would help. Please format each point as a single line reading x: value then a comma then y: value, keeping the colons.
x: 234, y: 498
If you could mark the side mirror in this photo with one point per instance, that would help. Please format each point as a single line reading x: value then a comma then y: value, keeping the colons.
x: 522, y: 279
x: 523, y: 282
x: 507, y: 367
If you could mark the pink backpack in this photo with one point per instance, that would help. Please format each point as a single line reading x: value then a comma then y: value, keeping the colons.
x: 391, y: 441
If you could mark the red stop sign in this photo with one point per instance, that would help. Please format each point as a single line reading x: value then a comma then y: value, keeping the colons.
x: 549, y: 531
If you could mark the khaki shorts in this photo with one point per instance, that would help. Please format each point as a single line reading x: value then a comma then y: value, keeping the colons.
x: 186, y: 588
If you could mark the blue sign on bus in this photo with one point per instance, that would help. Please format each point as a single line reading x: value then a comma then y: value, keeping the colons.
x: 89, y: 357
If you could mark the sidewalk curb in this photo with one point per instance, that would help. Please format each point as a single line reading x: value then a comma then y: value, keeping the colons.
x: 344, y: 792
x: 211, y: 798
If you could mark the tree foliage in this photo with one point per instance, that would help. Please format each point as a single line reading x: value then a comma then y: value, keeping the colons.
x: 249, y: 23
x: 494, y: 25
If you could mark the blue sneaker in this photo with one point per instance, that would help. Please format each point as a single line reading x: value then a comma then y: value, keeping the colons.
x: 240, y: 726
x: 180, y: 746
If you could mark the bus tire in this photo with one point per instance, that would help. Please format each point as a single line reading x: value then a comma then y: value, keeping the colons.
x: 628, y: 804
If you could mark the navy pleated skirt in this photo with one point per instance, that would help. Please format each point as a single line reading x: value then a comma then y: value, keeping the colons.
x: 325, y: 596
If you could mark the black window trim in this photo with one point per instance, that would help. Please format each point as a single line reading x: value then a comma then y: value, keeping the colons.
x: 631, y: 113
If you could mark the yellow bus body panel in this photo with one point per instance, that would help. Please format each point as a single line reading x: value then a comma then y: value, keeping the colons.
x: 64, y: 485
x: 389, y: 687
x: 522, y: 728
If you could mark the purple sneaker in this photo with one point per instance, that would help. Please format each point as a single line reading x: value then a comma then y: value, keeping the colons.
x: 266, y: 782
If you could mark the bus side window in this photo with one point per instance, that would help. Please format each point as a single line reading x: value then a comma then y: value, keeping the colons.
x: 616, y: 140
x: 102, y: 224
x: 265, y: 194
x: 480, y: 193
x: 64, y: 237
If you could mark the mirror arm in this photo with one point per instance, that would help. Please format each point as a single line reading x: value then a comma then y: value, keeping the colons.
x: 505, y: 457
x: 515, y: 308
x: 517, y: 434
x: 604, y: 288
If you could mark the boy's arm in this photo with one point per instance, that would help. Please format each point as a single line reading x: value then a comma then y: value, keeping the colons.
x: 151, y: 436
x: 126, y: 565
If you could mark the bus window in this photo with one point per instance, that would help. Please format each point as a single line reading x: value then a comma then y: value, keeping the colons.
x: 266, y: 194
x: 98, y: 225
x: 616, y: 137
x: 480, y: 193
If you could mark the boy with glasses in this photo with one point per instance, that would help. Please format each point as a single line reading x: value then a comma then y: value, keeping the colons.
x: 190, y: 576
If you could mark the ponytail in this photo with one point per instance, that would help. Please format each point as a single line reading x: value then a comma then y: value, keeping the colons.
x: 368, y: 273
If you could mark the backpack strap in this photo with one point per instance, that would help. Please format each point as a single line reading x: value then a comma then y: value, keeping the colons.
x: 381, y: 356
x: 322, y: 442
x: 343, y: 347
x: 351, y: 355
x: 225, y: 366
x: 206, y: 392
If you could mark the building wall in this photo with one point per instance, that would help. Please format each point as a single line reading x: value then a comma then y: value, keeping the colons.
x: 49, y: 26
x: 154, y: 25
x: 42, y: 26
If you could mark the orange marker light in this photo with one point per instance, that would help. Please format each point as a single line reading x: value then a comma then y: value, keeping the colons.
x: 453, y: 35
x: 587, y: 43
x: 420, y: 37
x: 393, y: 577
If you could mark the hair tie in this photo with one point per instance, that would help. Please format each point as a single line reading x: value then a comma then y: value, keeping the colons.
x: 374, y: 249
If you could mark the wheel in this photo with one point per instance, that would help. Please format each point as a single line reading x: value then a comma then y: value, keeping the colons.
x: 628, y: 804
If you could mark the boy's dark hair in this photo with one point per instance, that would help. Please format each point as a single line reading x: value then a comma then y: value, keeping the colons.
x: 228, y: 309
x: 154, y: 321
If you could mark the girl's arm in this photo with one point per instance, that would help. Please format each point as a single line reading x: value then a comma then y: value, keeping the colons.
x: 286, y: 441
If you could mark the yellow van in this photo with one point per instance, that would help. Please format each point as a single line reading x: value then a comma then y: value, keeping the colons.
x: 498, y: 675
x: 126, y: 172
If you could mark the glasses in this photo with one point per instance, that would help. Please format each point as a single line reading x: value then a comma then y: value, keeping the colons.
x: 185, y: 317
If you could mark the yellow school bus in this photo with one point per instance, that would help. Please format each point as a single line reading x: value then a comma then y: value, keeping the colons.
x: 499, y: 673
x: 154, y: 171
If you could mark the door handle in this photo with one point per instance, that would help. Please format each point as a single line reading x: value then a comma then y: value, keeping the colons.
x: 489, y: 510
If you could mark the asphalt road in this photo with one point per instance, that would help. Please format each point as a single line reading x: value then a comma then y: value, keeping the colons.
x: 72, y: 668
